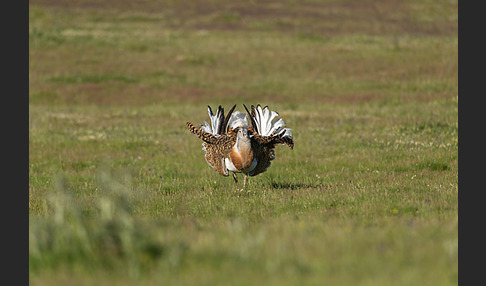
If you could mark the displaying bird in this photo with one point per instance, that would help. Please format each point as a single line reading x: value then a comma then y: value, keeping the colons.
x: 232, y: 145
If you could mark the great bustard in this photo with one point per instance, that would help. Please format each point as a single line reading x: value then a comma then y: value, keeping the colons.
x: 231, y: 144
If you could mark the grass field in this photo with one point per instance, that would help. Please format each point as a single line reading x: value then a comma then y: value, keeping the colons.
x: 120, y: 193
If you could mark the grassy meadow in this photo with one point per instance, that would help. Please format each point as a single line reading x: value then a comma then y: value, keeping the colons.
x: 120, y: 193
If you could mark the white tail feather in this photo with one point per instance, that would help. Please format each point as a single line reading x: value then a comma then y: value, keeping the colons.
x: 266, y: 123
x: 207, y: 128
x: 216, y: 121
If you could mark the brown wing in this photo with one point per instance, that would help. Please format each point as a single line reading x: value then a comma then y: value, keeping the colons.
x: 220, y: 140
x: 263, y: 149
x: 263, y: 154
x: 272, y: 139
x: 217, y: 147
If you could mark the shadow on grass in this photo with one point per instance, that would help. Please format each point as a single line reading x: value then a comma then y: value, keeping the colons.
x: 293, y: 186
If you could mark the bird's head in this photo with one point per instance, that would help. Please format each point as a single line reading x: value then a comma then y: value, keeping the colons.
x: 242, y: 132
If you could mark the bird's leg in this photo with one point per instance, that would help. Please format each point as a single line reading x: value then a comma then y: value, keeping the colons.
x: 236, y: 180
x: 244, y: 181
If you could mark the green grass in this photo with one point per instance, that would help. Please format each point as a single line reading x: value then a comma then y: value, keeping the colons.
x: 120, y: 193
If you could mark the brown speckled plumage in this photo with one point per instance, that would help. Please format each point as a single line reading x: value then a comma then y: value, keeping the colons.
x: 263, y: 147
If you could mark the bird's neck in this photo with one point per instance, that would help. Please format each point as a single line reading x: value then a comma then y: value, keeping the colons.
x: 243, y: 147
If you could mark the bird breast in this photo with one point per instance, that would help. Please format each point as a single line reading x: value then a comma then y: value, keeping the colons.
x: 241, y: 157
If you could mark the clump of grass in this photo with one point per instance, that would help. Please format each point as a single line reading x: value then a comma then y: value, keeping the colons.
x: 103, y: 234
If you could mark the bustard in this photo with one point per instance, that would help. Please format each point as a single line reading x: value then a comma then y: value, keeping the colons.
x: 231, y: 144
